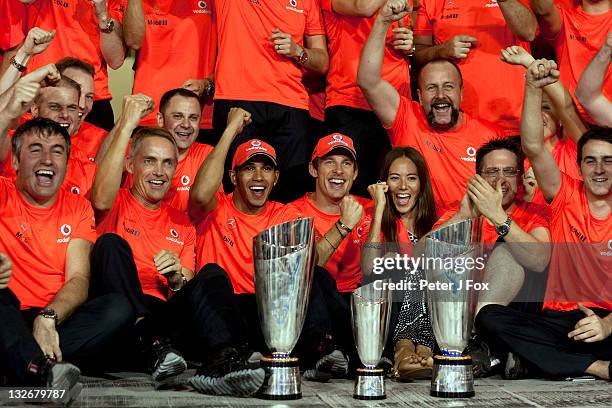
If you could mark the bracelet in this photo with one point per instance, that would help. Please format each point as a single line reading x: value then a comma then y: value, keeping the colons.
x: 18, y: 66
x: 183, y: 283
x: 329, y: 242
x: 344, y: 226
x: 210, y: 88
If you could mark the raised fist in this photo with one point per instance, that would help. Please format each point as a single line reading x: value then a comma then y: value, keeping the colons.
x: 542, y: 72
x: 136, y: 107
x: 238, y: 119
x: 37, y: 40
x: 350, y: 211
x: 378, y: 193
x: 394, y: 10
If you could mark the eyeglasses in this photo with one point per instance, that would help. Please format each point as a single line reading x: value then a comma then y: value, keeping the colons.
x: 506, y: 171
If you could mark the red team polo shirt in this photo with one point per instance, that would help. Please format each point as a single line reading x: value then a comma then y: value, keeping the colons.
x: 581, y: 262
x: 450, y: 156
x: 580, y: 38
x: 492, y: 89
x: 180, y: 43
x: 186, y: 171
x: 345, y: 264
x: 225, y: 237
x: 346, y: 37
x: 88, y: 139
x: 248, y: 67
x: 77, y: 35
x: 148, y: 232
x: 13, y: 24
x: 36, y: 241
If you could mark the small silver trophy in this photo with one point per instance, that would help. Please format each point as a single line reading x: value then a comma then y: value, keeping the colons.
x: 451, y: 253
x: 370, y: 309
x: 284, y: 264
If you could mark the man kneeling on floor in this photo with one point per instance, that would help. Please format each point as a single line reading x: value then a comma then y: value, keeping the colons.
x: 47, y: 233
x: 147, y: 253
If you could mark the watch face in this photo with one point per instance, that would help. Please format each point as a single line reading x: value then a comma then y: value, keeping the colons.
x: 503, y: 229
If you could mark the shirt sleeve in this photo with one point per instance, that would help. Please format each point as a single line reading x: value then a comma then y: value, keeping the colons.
x: 116, y: 9
x: 402, y: 131
x: 423, y: 24
x: 326, y: 5
x: 314, y: 20
x: 85, y: 227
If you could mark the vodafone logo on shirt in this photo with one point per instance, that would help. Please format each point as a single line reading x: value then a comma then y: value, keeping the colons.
x: 174, y: 237
x: 65, y: 230
x: 293, y: 6
x: 201, y: 8
x: 470, y: 154
x: 492, y: 4
x: 185, y: 181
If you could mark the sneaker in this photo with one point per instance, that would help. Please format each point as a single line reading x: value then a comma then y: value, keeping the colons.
x: 64, y: 376
x: 484, y: 363
x: 332, y: 365
x: 515, y: 368
x: 228, y: 373
x: 167, y: 363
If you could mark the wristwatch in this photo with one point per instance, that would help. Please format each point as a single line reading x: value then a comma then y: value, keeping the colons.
x: 110, y: 25
x: 503, y: 229
x: 49, y: 313
x: 303, y: 57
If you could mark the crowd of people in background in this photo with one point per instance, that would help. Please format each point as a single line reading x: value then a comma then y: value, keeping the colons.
x: 127, y: 240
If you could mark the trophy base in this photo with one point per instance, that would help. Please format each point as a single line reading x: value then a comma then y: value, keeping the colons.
x: 282, y: 380
x: 369, y: 384
x: 452, y: 377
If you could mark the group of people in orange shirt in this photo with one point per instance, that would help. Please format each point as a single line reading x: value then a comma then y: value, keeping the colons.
x: 130, y: 229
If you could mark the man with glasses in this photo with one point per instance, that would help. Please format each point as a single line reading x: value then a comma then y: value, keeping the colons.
x: 515, y: 267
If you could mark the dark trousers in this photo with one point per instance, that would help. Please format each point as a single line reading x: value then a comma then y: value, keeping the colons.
x: 83, y: 336
x: 101, y: 115
x: 286, y: 129
x: 541, y: 340
x: 369, y: 137
x: 201, y: 313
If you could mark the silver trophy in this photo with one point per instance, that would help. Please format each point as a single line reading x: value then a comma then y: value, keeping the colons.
x: 284, y: 263
x: 451, y: 254
x: 370, y: 309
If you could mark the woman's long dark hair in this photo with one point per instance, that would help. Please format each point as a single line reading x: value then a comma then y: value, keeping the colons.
x: 424, y: 208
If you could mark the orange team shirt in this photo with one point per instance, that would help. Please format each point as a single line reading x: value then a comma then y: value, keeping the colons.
x: 80, y: 173
x: 581, y: 261
x: 186, y: 171
x: 36, y: 241
x: 88, y: 139
x: 148, y: 232
x: 77, y: 35
x: 346, y: 37
x: 248, y: 67
x: 225, y: 237
x: 526, y: 215
x: 580, y: 38
x: 492, y: 89
x: 345, y: 264
x: 180, y: 43
x: 450, y: 156
x: 13, y: 24
x: 406, y: 246
x: 565, y: 153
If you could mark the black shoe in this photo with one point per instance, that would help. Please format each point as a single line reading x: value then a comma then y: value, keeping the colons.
x: 166, y: 362
x: 484, y: 363
x: 332, y: 365
x: 64, y: 377
x: 515, y: 368
x: 228, y: 373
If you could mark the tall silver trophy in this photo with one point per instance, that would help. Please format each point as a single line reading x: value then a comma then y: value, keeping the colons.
x: 453, y: 274
x: 284, y: 263
x: 370, y: 309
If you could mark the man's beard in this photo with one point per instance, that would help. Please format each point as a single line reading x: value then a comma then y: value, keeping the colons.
x: 443, y: 127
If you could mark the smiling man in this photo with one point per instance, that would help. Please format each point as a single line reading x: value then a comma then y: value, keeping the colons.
x: 60, y: 103
x: 147, y: 253
x: 48, y: 233
x: 571, y: 336
x: 436, y: 126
